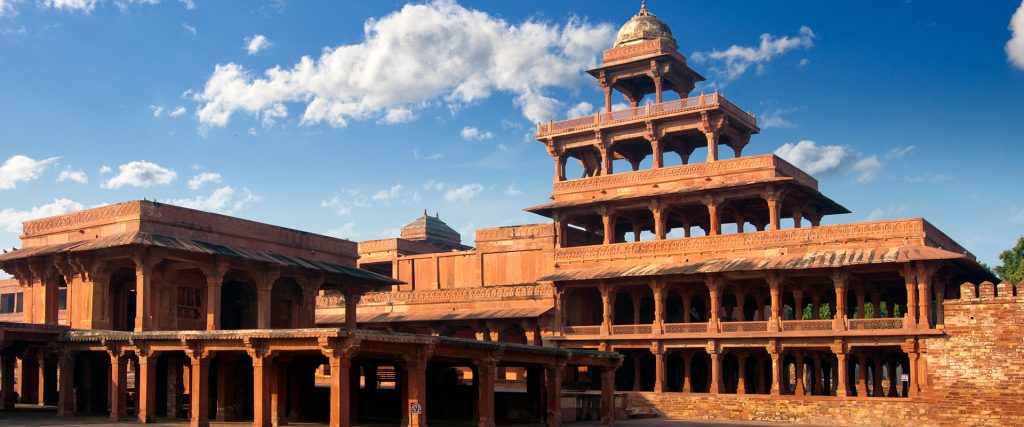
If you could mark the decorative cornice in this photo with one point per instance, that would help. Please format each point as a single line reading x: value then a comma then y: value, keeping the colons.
x: 486, y: 293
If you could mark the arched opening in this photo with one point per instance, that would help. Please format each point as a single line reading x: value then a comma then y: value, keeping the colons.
x: 623, y: 309
x: 587, y: 163
x: 700, y: 372
x: 122, y: 300
x: 286, y: 304
x: 238, y: 305
x: 585, y: 307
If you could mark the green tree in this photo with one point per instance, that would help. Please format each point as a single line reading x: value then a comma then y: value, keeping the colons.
x: 825, y: 311
x: 808, y: 314
x: 1012, y: 269
x: 883, y: 309
x: 896, y: 311
x: 869, y: 310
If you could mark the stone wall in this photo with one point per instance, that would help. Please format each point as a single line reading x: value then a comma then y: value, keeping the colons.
x: 975, y: 374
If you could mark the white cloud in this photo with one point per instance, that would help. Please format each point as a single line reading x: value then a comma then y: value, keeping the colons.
x: 776, y: 118
x: 346, y: 231
x: 73, y: 175
x: 177, y: 112
x: 7, y: 8
x: 20, y: 168
x: 189, y: 29
x: 10, y: 219
x: 398, y: 115
x: 388, y: 193
x: 189, y: 4
x: 71, y: 5
x: 579, y: 110
x: 256, y: 43
x: 803, y: 63
x: 738, y: 59
x: 899, y: 152
x: 1015, y: 47
x: 105, y: 170
x: 867, y: 169
x: 512, y: 190
x: 435, y: 156
x: 198, y: 180
x: 807, y: 155
x: 433, y: 185
x: 889, y: 212
x: 470, y: 133
x: 422, y: 55
x: 157, y: 110
x: 464, y: 193
x: 140, y: 174
x: 344, y: 203
x: 223, y: 200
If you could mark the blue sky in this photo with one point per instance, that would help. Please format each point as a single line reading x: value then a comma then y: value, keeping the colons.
x: 900, y: 109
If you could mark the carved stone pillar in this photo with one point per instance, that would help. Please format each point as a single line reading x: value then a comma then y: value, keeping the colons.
x: 841, y: 387
x: 66, y: 394
x: 487, y: 369
x: 777, y: 367
x: 118, y: 385
x: 715, y: 227
x: 553, y: 381
x: 716, y: 371
x: 200, y: 390
x: 741, y: 383
x: 607, y: 395
x: 660, y: 385
x: 352, y: 297
x: 774, y: 280
x: 910, y: 278
x: 416, y: 387
x: 799, y: 374
x: 660, y: 219
x: 606, y: 312
x: 608, y: 221
x: 712, y: 138
x: 214, y: 284
x: 714, y: 284
x: 658, y: 289
x: 924, y: 287
x: 839, y: 279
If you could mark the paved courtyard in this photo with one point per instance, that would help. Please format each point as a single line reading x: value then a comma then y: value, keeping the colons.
x: 46, y: 416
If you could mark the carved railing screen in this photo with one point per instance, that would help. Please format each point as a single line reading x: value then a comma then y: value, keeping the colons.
x: 631, y: 329
x: 806, y: 325
x: 581, y: 330
x: 703, y: 101
x: 686, y: 328
x: 881, y: 323
x: 758, y: 326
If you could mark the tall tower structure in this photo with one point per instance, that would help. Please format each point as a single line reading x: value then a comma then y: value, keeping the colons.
x: 657, y: 195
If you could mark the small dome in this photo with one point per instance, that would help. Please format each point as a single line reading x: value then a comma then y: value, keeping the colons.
x: 644, y: 26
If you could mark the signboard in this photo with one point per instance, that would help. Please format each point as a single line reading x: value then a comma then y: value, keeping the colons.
x: 416, y: 408
x: 905, y: 378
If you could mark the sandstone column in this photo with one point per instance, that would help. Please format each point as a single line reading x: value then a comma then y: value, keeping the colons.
x: 607, y: 395
x: 553, y: 380
x: 200, y: 390
x: 118, y: 387
x: 487, y: 369
x: 66, y: 394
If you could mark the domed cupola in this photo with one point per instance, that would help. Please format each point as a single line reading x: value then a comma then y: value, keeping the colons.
x: 644, y: 26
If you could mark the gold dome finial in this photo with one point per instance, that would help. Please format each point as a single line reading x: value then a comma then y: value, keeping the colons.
x: 644, y: 26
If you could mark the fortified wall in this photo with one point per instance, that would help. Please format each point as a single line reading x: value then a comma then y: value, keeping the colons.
x: 975, y: 373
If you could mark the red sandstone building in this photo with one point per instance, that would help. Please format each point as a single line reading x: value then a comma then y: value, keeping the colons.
x: 698, y: 284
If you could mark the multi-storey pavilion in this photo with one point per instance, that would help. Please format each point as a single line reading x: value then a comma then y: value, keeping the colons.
x: 658, y: 262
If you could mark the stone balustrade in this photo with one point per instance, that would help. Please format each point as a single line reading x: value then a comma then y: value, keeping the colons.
x: 702, y: 102
x: 701, y: 328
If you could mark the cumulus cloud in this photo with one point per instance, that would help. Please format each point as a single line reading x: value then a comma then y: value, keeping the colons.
x: 105, y: 170
x: 344, y: 202
x: 776, y: 118
x: 7, y: 7
x: 398, y: 115
x: 20, y: 168
x: 198, y: 180
x: 470, y: 133
x: 346, y: 231
x: 810, y: 157
x: 418, y: 56
x: 464, y: 193
x: 140, y: 174
x: 867, y: 169
x: 73, y: 175
x: 388, y: 193
x: 433, y: 185
x: 71, y: 5
x: 512, y: 190
x: 1015, y: 47
x: 225, y: 200
x: 579, y: 110
x: 736, y: 60
x: 177, y: 112
x: 157, y: 110
x: 889, y: 212
x: 11, y: 219
x: 256, y: 43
